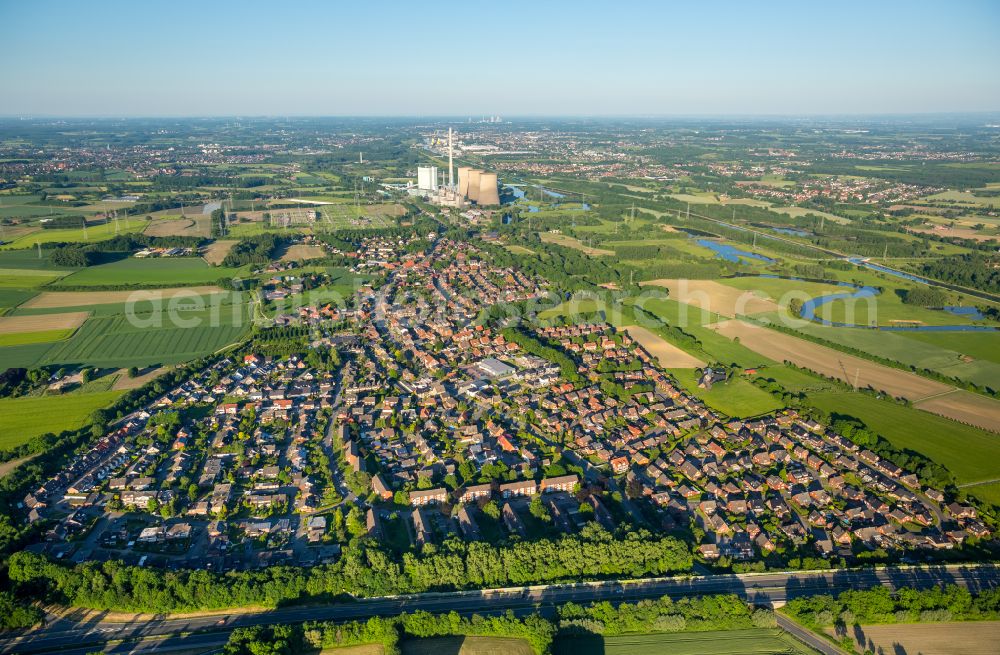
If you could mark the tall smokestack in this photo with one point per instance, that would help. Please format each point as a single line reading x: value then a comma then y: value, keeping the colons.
x: 451, y: 179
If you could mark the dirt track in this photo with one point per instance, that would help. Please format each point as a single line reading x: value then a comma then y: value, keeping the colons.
x: 715, y: 297
x: 669, y: 355
x: 67, y: 321
x: 50, y: 299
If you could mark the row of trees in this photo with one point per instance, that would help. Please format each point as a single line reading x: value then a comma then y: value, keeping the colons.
x: 533, y: 346
x: 364, y: 570
x: 906, y: 605
x: 722, y: 612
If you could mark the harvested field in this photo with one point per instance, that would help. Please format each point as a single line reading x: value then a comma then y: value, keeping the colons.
x: 125, y: 383
x: 365, y: 649
x: 217, y: 251
x: 49, y: 299
x: 781, y: 347
x: 303, y: 251
x: 46, y: 322
x: 183, y: 227
x: 669, y: 355
x: 928, y: 395
x: 966, y: 407
x: 466, y: 646
x: 954, y: 638
x: 715, y: 297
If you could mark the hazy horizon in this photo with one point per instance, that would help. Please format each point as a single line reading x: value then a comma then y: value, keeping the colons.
x: 187, y: 59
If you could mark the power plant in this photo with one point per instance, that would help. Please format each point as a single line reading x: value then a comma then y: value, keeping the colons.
x: 473, y: 184
x: 427, y: 178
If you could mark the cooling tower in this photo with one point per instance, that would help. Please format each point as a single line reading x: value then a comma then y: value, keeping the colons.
x: 488, y: 189
x: 474, y: 184
x: 463, y: 180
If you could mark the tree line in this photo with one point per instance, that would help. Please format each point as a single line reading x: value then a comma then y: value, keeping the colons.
x: 364, y: 570
x: 701, y: 613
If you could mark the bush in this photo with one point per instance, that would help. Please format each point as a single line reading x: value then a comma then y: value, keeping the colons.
x: 14, y: 614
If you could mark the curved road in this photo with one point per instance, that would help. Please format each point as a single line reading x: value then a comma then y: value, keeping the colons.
x: 72, y: 635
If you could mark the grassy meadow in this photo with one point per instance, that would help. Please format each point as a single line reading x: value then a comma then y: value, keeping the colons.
x: 758, y: 641
x: 168, y: 271
x: 22, y: 419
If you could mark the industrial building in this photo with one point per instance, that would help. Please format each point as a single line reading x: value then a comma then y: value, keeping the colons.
x: 478, y: 186
x: 427, y: 178
x: 473, y: 185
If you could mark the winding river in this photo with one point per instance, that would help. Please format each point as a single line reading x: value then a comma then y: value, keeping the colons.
x: 810, y: 308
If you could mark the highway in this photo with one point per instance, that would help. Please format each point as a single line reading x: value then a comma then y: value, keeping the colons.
x: 84, y: 635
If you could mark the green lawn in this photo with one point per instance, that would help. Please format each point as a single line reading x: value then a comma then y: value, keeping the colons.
x: 21, y: 419
x: 737, y: 397
x: 758, y: 641
x: 171, y: 271
x: 970, y: 453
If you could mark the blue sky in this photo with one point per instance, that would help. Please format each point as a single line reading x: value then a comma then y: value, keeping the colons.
x: 203, y: 58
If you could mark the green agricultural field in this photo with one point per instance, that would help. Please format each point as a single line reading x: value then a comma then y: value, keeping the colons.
x: 777, y: 181
x: 26, y: 356
x: 697, y: 197
x: 108, y: 339
x: 28, y: 260
x: 22, y: 419
x: 760, y: 641
x: 167, y: 272
x: 978, y: 345
x: 969, y: 453
x: 13, y: 297
x: 94, y: 234
x: 796, y: 212
x: 20, y: 278
x: 40, y: 336
x: 114, y: 342
x: 989, y: 493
